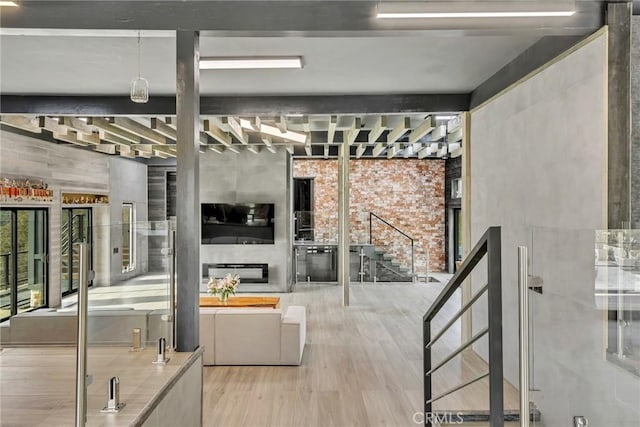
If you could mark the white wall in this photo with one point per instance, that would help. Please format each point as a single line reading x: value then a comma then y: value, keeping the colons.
x: 128, y: 184
x: 251, y: 178
x: 538, y: 165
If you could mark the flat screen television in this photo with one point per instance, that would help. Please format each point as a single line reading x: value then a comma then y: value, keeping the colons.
x: 240, y: 223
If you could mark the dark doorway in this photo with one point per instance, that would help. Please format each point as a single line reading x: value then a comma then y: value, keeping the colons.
x: 457, y: 238
x: 303, y: 208
x: 23, y: 260
x: 76, y: 227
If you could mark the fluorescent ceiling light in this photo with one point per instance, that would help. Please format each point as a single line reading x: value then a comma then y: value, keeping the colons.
x: 247, y: 63
x: 451, y: 10
x: 406, y: 15
x: 274, y: 131
x: 8, y: 3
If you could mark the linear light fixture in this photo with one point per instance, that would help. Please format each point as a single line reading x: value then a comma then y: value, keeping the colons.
x: 456, y: 10
x: 8, y: 3
x: 248, y: 63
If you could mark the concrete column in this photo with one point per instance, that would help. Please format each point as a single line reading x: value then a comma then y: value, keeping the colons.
x: 188, y: 194
x: 619, y: 148
x: 635, y: 121
x: 343, y: 221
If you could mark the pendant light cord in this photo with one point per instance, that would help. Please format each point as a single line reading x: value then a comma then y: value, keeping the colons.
x: 139, y: 66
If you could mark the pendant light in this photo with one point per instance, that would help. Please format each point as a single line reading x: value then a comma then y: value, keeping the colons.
x: 139, y: 85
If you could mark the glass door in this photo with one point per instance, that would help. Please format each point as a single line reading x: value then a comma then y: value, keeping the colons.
x: 7, y: 272
x: 23, y: 260
x: 76, y: 226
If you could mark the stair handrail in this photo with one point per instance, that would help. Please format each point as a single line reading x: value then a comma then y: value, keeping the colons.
x: 489, y: 245
x: 411, y: 239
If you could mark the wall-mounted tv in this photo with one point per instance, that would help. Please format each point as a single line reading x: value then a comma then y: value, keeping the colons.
x: 240, y: 223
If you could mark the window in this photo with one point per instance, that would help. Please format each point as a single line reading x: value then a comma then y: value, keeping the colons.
x: 456, y: 188
x: 23, y: 260
x: 76, y: 227
x: 128, y: 242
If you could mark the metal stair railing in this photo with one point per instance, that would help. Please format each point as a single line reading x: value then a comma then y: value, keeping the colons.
x: 489, y: 245
x: 397, y: 230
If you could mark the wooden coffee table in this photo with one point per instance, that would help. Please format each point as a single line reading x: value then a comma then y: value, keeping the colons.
x: 239, y: 302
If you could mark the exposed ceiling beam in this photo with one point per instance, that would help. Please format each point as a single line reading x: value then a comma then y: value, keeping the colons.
x: 454, y: 136
x: 351, y: 134
x: 233, y: 126
x: 307, y: 149
x: 233, y: 105
x: 163, y: 129
x: 115, y: 139
x: 281, y: 123
x: 167, y: 149
x: 51, y: 125
x: 360, y: 150
x: 378, y: 149
x: 138, y: 129
x: 76, y: 124
x: 69, y: 136
x: 110, y: 130
x: 255, y: 149
x: 400, y: 129
x: 89, y: 138
x: 331, y: 130
x: 305, y: 124
x: 29, y: 124
x: 216, y: 133
x: 379, y: 126
x: 105, y: 148
x: 423, y: 129
x: 266, y: 139
x: 255, y: 123
x: 392, y: 150
x: 438, y: 133
x: 219, y: 149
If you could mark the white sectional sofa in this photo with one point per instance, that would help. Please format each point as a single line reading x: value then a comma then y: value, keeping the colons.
x: 253, y: 336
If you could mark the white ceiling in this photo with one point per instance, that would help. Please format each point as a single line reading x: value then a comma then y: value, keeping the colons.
x: 87, y: 62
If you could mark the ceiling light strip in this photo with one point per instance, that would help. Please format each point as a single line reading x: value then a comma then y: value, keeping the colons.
x: 455, y: 15
x: 249, y: 63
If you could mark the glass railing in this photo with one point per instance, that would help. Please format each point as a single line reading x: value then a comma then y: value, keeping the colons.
x: 131, y: 304
x: 584, y: 301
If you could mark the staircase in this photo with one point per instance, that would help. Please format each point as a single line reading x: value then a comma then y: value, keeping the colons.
x: 388, y: 269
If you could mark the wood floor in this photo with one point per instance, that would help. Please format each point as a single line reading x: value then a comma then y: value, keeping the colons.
x: 362, y: 365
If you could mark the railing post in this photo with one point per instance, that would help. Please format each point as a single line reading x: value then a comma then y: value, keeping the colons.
x: 413, y: 268
x: 426, y: 367
x: 172, y: 284
x: 523, y: 338
x: 370, y: 229
x: 81, y: 349
x: 494, y: 296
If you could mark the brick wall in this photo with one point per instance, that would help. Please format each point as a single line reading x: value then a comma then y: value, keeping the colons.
x: 407, y: 193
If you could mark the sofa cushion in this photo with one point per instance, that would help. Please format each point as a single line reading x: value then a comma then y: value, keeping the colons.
x: 293, y: 335
x: 247, y: 336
